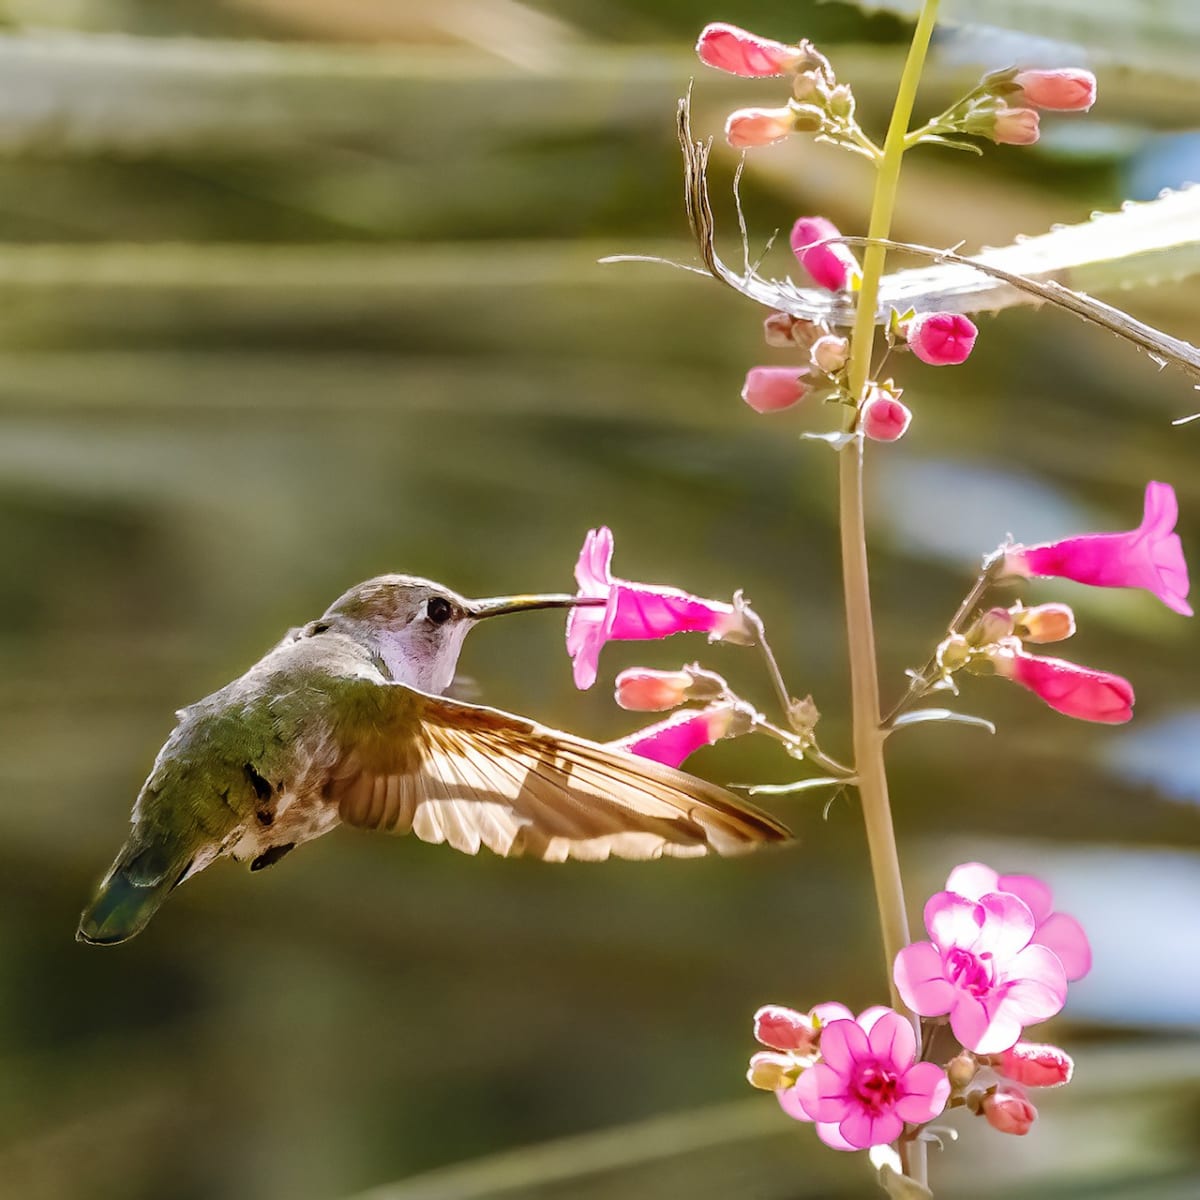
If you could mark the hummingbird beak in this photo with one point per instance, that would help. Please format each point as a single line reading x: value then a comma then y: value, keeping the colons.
x: 497, y: 606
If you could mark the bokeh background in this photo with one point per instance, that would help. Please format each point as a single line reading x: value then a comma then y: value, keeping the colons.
x: 295, y: 292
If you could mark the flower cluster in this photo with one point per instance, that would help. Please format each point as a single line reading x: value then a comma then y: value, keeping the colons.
x: 1148, y: 557
x: 998, y: 959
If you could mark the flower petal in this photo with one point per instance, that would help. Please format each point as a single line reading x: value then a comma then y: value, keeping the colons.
x: 862, y: 1128
x: 789, y: 1100
x: 831, y: 1135
x: 821, y: 1094
x: 953, y: 920
x: 1064, y: 935
x: 644, y: 611
x: 983, y: 1029
x: 893, y: 1041
x: 831, y: 1010
x: 926, y: 1090
x: 843, y: 1043
x: 592, y: 571
x: 1008, y: 926
x: 1035, y: 892
x: 1037, y: 987
x: 972, y: 880
x: 921, y: 980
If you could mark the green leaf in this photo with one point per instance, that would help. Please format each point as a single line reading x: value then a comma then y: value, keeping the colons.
x: 922, y: 716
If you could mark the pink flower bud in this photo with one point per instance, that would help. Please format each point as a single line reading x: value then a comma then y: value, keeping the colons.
x: 1067, y: 687
x: 941, y: 339
x: 1150, y: 556
x: 770, y: 389
x: 784, y: 1029
x: 962, y: 1069
x: 832, y: 265
x: 1043, y: 623
x: 1067, y: 89
x: 829, y: 353
x: 673, y: 740
x: 777, y: 330
x: 995, y: 624
x: 1014, y: 127
x: 643, y: 690
x: 1009, y: 1111
x: 885, y: 419
x: 770, y: 1071
x: 1036, y: 1065
x: 750, y: 127
x: 740, y: 52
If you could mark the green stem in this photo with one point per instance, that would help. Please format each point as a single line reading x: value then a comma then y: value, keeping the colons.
x: 864, y: 679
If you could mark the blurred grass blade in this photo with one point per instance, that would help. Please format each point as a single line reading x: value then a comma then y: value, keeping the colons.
x: 572, y: 1158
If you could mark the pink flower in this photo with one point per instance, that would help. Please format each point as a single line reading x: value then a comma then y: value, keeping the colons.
x: 750, y: 127
x: 1036, y: 1065
x: 1015, y: 127
x: 831, y: 265
x: 635, y: 611
x: 770, y: 389
x: 1008, y: 1110
x: 885, y: 419
x: 643, y: 690
x: 673, y: 740
x: 868, y: 1083
x: 739, y: 52
x: 1066, y: 687
x: 982, y: 967
x: 1067, y: 89
x: 1149, y: 556
x: 1043, y: 623
x: 941, y: 339
x: 1055, y: 930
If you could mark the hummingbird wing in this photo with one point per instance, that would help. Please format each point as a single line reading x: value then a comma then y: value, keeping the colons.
x: 472, y: 776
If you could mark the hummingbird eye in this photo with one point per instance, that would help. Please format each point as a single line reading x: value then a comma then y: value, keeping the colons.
x: 439, y: 610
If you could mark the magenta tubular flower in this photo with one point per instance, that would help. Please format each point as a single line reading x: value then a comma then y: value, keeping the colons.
x: 886, y: 419
x: 1067, y: 687
x: 675, y: 739
x: 729, y: 48
x: 771, y: 389
x: 831, y: 265
x: 1067, y: 89
x: 1057, y: 931
x: 635, y: 611
x: 1150, y: 556
x: 983, y: 968
x: 868, y: 1083
x: 1009, y: 1110
x: 750, y: 127
x: 941, y: 339
x: 1036, y: 1065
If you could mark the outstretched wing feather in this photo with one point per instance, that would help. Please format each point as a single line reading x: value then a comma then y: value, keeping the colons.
x: 471, y: 776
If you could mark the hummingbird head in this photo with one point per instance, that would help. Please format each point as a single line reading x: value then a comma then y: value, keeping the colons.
x: 416, y: 628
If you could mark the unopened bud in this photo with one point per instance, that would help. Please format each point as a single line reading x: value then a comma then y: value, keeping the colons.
x: 829, y: 353
x: 807, y: 117
x: 769, y: 389
x: 1067, y: 89
x: 777, y: 330
x: 784, y: 1028
x: 803, y: 715
x: 749, y: 127
x: 1036, y: 1065
x: 962, y: 1069
x: 1008, y: 1110
x: 641, y: 689
x: 841, y: 101
x: 1043, y: 623
x: 953, y: 652
x: 771, y: 1071
x: 885, y: 419
x: 995, y: 624
x: 1015, y: 127
x: 941, y: 339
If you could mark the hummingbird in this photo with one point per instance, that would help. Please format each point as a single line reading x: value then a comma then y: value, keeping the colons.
x: 345, y: 721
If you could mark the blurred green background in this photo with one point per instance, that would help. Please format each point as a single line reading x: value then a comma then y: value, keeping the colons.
x: 296, y: 292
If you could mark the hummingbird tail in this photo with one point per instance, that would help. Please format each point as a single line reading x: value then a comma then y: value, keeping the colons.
x: 126, y: 900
